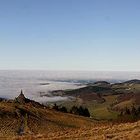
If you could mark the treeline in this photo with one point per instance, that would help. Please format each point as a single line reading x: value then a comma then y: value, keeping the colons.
x: 129, y: 114
x: 61, y: 109
x: 131, y: 111
x: 81, y: 111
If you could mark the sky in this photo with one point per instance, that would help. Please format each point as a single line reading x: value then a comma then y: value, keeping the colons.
x: 82, y: 35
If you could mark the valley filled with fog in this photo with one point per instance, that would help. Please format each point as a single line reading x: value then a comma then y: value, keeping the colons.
x: 37, y: 85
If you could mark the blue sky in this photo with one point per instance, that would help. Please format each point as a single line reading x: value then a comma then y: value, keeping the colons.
x: 70, y: 34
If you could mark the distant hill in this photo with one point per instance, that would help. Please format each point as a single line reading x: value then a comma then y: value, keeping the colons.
x: 135, y: 81
x: 101, y: 83
x: 127, y: 100
x: 89, y: 93
x: 95, y: 91
x: 104, y: 100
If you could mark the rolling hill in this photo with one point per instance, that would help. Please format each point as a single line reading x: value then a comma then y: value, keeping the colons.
x: 104, y: 100
x: 24, y: 119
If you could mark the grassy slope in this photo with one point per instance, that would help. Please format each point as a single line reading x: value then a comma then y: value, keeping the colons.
x: 99, y: 111
x: 122, y: 95
x: 102, y: 111
x: 36, y: 120
x: 47, y: 124
x: 101, y: 131
x: 42, y: 124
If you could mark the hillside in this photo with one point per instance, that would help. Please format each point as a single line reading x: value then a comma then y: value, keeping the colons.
x: 19, y: 117
x: 104, y: 131
x: 24, y: 119
x: 104, y: 100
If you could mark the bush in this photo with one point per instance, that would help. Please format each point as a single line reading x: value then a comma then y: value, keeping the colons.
x: 74, y: 110
x: 63, y: 109
x: 80, y: 111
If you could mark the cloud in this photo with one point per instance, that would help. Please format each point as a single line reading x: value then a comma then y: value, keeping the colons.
x: 50, y: 99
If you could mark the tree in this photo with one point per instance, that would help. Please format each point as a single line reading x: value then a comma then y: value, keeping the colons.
x: 134, y: 111
x: 139, y: 109
x: 63, y: 109
x: 86, y: 112
x: 55, y: 107
x: 74, y: 110
x: 80, y: 111
x: 127, y: 111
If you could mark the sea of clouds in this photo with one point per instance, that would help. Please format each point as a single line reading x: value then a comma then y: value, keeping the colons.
x: 35, y: 83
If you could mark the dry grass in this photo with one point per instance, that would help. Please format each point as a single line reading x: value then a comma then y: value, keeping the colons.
x: 124, y: 104
x: 46, y: 124
x: 123, y: 131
